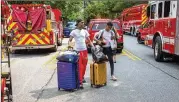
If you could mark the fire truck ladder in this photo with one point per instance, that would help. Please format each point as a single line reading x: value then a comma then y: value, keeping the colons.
x: 5, y: 46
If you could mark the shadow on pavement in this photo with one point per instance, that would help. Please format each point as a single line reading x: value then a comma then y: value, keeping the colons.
x: 31, y: 53
x: 48, y: 93
x: 53, y: 92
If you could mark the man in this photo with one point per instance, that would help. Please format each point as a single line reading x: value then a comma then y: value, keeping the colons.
x: 81, y: 35
x: 107, y: 35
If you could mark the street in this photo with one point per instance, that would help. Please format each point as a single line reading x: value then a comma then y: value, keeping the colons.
x: 140, y: 78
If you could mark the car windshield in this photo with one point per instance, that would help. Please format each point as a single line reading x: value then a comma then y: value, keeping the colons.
x: 101, y: 25
x: 71, y: 24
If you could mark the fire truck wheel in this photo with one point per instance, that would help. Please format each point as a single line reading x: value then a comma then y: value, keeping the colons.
x: 176, y: 58
x: 59, y: 43
x: 139, y: 40
x: 54, y: 49
x: 158, y: 54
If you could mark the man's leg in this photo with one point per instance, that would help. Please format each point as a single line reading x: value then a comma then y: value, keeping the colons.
x: 108, y: 52
x: 85, y: 61
x: 80, y: 67
x: 110, y: 58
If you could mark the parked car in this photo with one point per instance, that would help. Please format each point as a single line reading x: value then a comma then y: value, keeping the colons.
x: 96, y: 25
x: 68, y: 28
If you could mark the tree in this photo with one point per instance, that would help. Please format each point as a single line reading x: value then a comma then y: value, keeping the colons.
x: 107, y: 9
x: 70, y: 9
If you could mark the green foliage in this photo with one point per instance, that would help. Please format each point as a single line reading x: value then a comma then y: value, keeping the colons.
x: 71, y: 10
x: 108, y: 9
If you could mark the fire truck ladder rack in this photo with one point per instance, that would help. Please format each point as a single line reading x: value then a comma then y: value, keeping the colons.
x: 5, y: 45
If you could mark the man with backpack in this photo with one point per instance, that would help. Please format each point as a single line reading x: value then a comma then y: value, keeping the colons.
x: 104, y: 38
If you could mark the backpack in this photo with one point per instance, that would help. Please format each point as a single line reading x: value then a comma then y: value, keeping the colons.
x: 100, y: 36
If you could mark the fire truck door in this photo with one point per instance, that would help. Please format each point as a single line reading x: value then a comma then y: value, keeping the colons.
x: 153, y: 18
x: 177, y: 31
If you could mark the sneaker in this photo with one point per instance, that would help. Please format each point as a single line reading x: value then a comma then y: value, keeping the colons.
x: 84, y: 81
x: 81, y: 86
x: 113, y: 78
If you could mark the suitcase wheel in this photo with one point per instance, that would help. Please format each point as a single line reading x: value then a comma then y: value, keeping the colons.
x: 71, y: 90
x: 105, y: 84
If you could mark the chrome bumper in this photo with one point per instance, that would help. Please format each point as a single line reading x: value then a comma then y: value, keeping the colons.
x: 32, y: 47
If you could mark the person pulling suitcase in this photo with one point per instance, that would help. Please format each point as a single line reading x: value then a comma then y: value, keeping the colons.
x: 81, y: 35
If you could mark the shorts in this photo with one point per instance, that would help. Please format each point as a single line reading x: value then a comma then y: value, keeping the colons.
x: 114, y: 52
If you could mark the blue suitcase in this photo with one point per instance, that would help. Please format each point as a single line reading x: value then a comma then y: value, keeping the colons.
x: 67, y: 74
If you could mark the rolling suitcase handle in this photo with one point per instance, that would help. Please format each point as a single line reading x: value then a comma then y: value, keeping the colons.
x: 70, y: 48
x: 93, y: 82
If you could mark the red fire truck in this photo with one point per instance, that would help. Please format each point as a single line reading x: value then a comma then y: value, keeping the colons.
x: 132, y: 18
x: 6, y: 82
x: 35, y: 26
x: 163, y: 28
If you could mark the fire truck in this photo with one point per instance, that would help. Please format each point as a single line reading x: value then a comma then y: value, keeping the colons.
x: 6, y: 82
x: 132, y: 18
x: 162, y: 30
x: 35, y: 26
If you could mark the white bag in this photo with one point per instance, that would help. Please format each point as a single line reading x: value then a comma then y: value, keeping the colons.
x: 113, y: 44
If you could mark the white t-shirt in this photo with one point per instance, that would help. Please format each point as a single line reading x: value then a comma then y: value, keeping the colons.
x: 80, y: 37
x: 107, y: 37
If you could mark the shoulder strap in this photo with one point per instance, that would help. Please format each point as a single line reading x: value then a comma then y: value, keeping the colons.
x: 101, y: 35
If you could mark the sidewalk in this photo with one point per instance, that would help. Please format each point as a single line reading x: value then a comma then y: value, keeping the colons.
x: 4, y: 66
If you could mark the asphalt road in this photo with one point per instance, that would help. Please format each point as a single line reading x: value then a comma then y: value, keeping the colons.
x: 140, y: 78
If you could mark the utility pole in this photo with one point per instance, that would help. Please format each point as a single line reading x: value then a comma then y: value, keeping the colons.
x: 84, y: 6
x: 84, y: 3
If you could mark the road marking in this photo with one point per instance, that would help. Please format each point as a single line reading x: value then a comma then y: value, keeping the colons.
x: 51, y: 62
x: 52, y: 59
x: 132, y: 55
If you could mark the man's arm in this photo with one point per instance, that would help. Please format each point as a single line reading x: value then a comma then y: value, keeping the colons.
x: 96, y: 37
x: 88, y: 39
x: 91, y: 43
x: 116, y: 33
x: 70, y: 40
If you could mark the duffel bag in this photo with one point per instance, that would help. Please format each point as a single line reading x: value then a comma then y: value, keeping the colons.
x: 98, y: 55
x: 68, y: 56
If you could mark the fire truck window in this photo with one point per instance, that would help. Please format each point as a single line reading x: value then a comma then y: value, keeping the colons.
x: 167, y: 9
x: 48, y: 15
x: 153, y: 11
x: 99, y: 26
x: 160, y: 10
x: 117, y: 27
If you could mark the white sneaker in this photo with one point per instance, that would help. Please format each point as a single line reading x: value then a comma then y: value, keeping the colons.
x: 113, y: 78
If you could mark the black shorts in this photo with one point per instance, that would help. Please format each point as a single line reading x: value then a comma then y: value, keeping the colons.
x: 114, y: 52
